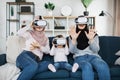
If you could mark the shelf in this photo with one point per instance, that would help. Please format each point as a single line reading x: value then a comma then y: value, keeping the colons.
x: 48, y: 30
x: 20, y: 3
x: 25, y: 13
x: 14, y: 24
x: 13, y: 20
x: 60, y: 30
x: 62, y: 21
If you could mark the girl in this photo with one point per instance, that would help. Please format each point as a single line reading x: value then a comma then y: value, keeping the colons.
x: 60, y: 51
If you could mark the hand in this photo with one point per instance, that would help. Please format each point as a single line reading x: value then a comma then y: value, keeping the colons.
x: 34, y: 45
x: 91, y: 33
x: 73, y: 33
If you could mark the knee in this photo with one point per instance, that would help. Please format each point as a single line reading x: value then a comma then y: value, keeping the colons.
x: 86, y: 66
x: 103, y: 66
x: 33, y: 67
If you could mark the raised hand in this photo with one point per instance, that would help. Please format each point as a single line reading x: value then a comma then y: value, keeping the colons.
x: 91, y: 33
x: 73, y: 34
x: 34, y: 45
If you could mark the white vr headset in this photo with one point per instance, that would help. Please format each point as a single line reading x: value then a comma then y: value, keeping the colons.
x: 41, y: 23
x: 81, y: 20
x: 59, y: 41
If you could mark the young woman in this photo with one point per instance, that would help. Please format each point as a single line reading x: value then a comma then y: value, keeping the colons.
x: 84, y: 44
x: 36, y: 44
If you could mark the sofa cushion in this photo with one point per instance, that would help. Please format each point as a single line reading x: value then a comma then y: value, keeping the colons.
x: 49, y: 74
x: 115, y: 71
x: 109, y: 45
x: 14, y: 47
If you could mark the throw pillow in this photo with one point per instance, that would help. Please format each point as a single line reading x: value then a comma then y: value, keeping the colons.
x: 14, y: 48
x: 118, y: 53
x: 117, y: 62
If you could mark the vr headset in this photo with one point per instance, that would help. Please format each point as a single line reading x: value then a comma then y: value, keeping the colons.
x: 59, y: 41
x: 81, y: 20
x: 41, y: 23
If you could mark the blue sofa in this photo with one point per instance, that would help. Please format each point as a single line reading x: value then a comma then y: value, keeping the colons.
x: 109, y: 46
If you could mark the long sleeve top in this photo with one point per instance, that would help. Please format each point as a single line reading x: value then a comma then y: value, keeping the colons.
x: 24, y: 32
x: 92, y: 49
x: 60, y: 54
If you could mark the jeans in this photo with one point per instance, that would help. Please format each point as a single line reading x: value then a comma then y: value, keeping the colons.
x: 88, y: 62
x: 29, y: 66
x: 63, y: 65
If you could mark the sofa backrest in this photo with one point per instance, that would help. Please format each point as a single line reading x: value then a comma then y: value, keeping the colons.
x: 109, y: 45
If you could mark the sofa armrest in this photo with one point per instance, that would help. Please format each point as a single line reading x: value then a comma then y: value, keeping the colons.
x: 2, y: 59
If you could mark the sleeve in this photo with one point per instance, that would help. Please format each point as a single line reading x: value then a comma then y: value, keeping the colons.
x: 72, y: 47
x: 46, y: 48
x: 23, y: 32
x: 94, y: 45
x: 66, y: 50
x: 52, y: 51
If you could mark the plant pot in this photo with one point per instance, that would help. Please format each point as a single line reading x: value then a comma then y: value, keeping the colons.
x: 49, y: 12
x: 86, y: 13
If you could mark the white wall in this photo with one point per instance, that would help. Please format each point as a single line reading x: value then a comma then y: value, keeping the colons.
x: 104, y: 25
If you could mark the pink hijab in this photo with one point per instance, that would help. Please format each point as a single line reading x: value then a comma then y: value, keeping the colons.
x: 39, y: 37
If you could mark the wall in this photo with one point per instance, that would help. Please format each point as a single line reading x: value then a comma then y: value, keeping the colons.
x: 104, y: 25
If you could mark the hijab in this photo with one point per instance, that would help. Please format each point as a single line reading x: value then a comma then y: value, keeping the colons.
x: 82, y: 40
x: 39, y: 36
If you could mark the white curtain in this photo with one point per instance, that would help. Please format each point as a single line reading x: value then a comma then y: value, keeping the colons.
x: 117, y: 18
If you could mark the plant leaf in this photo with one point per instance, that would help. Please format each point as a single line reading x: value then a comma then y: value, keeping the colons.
x: 86, y: 3
x: 49, y: 5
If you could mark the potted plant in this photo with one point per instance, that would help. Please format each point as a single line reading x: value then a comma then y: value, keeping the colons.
x: 86, y: 3
x: 50, y: 7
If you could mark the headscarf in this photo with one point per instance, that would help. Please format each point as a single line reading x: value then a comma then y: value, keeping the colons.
x: 39, y: 36
x: 82, y: 40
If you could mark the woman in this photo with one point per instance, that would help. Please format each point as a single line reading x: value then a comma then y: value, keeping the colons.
x: 36, y: 44
x: 84, y: 44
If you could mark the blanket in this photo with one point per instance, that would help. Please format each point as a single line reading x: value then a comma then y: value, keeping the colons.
x: 9, y: 71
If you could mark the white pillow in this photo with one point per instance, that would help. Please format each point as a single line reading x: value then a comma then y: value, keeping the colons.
x: 9, y: 72
x: 117, y: 62
x: 118, y: 53
x: 14, y: 47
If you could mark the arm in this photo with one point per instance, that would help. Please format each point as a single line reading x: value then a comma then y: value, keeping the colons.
x: 46, y: 48
x: 94, y: 44
x: 52, y: 51
x: 71, y: 46
x: 66, y: 50
x: 23, y: 31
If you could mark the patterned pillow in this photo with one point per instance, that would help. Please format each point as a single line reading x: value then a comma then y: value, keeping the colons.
x: 117, y: 62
